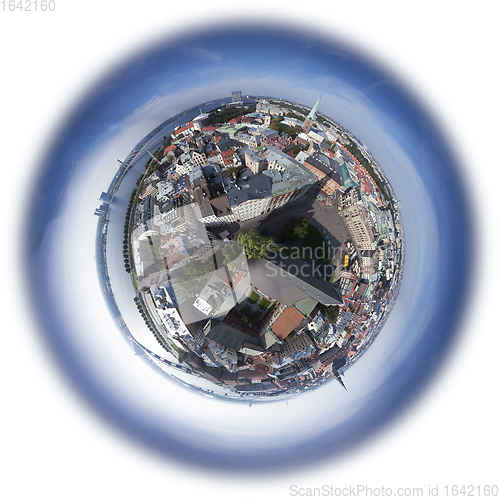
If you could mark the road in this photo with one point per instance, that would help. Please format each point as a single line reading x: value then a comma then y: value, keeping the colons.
x: 121, y: 282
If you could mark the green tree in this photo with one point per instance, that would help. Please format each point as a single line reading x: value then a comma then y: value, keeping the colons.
x: 299, y: 147
x: 158, y: 154
x: 234, y: 256
x: 255, y: 245
x: 280, y: 128
x: 233, y: 172
x: 296, y: 228
x: 331, y: 313
x: 294, y: 115
x: 187, y: 287
x: 197, y: 270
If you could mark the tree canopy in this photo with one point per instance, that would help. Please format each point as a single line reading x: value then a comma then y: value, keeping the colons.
x: 255, y: 245
x: 234, y: 256
x: 296, y: 228
x: 331, y: 313
x: 280, y: 128
x: 233, y: 172
x: 299, y: 147
x: 196, y: 269
x: 232, y: 112
x: 195, y: 272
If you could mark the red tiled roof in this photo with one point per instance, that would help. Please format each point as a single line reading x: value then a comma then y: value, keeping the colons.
x: 169, y: 148
x: 227, y: 157
x: 180, y: 130
x: 286, y: 322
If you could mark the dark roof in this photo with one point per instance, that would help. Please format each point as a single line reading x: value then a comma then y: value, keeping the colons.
x: 226, y: 144
x: 286, y: 288
x: 253, y: 188
x: 197, y: 150
x: 300, y: 273
x: 221, y: 205
x: 339, y: 363
x: 328, y: 356
x: 201, y: 195
x: 228, y: 336
x: 264, y: 276
x: 329, y: 166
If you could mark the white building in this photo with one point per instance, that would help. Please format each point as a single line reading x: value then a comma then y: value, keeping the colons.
x: 332, y: 135
x: 228, y: 357
x: 173, y: 323
x: 251, y: 208
x: 184, y: 168
x: 165, y: 191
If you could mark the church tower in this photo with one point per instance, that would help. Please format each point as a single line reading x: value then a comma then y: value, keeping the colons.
x: 338, y: 378
x: 311, y: 117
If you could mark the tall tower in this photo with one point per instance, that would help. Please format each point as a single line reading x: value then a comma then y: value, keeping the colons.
x: 236, y: 96
x: 338, y: 378
x: 311, y: 117
x: 267, y: 119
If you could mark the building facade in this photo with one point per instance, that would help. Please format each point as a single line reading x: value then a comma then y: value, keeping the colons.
x: 356, y: 221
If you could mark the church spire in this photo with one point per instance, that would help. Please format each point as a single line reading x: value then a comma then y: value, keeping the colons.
x: 312, y: 115
x: 337, y: 376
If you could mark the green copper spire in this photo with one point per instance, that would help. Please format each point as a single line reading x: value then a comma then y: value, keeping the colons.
x: 312, y: 115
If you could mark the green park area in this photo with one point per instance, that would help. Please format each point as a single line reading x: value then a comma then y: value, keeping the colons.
x: 311, y: 242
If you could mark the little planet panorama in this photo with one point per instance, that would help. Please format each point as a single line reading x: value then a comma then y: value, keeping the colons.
x: 264, y: 244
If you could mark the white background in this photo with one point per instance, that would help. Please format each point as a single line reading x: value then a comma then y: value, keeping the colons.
x: 52, y: 445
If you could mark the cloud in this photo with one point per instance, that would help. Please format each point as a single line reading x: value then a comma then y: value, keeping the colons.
x: 203, y: 53
x: 368, y: 88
